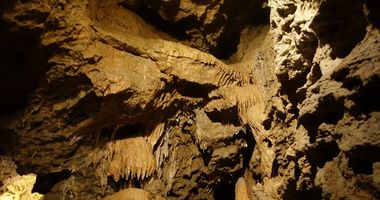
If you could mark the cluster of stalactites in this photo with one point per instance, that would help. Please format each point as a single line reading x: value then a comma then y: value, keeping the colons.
x: 128, y: 159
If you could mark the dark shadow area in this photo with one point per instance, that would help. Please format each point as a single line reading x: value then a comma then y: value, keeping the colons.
x: 248, y: 151
x: 6, y: 5
x: 224, y: 191
x: 206, y: 156
x: 267, y: 123
x: 343, y: 75
x: 123, y: 183
x: 341, y: 24
x: 86, y: 108
x: 225, y: 116
x: 239, y: 15
x: 275, y: 168
x: 45, y: 182
x: 374, y: 12
x: 361, y: 159
x: 8, y: 141
x: 329, y: 110
x: 231, y: 19
x: 314, y: 194
x: 23, y: 63
x: 65, y: 86
x: 323, y: 152
x: 292, y: 193
x: 225, y: 187
x: 291, y: 89
x: 129, y: 130
x: 367, y: 99
x: 149, y: 15
x: 192, y: 89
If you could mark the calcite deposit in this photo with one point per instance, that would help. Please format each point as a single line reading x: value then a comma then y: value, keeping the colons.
x: 189, y: 99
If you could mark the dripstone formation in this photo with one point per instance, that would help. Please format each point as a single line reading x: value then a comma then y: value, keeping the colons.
x: 188, y: 99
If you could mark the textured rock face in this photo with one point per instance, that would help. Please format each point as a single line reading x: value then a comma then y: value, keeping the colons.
x: 185, y: 99
x: 212, y: 26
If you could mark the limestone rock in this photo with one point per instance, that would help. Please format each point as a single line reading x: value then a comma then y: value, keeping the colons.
x: 189, y: 99
x: 20, y: 187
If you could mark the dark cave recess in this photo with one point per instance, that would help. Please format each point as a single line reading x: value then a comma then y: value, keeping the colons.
x: 238, y: 16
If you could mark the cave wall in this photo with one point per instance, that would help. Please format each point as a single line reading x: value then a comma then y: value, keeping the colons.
x: 188, y: 99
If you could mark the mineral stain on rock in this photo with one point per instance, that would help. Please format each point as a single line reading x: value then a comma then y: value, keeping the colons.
x: 188, y: 99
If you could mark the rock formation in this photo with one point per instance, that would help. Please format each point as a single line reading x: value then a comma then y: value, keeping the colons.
x: 188, y: 99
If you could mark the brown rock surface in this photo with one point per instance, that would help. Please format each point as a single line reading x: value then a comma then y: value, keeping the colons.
x: 188, y: 99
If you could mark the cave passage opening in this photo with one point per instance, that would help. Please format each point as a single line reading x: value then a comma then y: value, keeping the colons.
x: 229, y: 21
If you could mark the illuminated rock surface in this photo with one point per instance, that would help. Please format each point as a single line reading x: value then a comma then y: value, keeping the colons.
x: 186, y: 99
